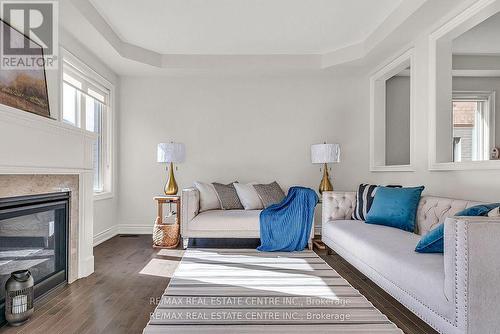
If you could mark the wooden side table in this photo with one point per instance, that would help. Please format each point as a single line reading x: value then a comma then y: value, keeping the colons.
x: 317, y: 238
x: 167, y: 235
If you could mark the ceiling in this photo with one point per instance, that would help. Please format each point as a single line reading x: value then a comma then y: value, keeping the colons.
x: 244, y: 27
x: 147, y: 37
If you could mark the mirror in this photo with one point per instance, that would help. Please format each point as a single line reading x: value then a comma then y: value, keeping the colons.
x: 467, y: 92
x: 391, y: 114
x: 397, y: 119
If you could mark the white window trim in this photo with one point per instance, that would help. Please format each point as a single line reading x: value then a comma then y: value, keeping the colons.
x: 99, y: 81
x: 488, y: 96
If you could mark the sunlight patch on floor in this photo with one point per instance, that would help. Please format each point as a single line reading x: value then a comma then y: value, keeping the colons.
x: 160, y: 267
x: 264, y: 258
x: 263, y: 276
x: 171, y: 252
x: 304, y: 266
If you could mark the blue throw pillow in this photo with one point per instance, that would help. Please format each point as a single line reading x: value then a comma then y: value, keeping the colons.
x: 395, y: 207
x: 478, y: 210
x: 432, y: 242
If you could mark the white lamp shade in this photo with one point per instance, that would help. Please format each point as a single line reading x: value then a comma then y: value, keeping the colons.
x: 171, y: 152
x: 325, y: 153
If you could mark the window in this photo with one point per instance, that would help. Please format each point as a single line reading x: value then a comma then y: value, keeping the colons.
x: 473, y: 119
x: 86, y: 104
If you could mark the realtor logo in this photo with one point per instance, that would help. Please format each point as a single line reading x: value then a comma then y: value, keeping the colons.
x: 29, y: 34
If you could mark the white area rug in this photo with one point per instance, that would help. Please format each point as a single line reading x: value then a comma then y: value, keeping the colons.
x: 245, y: 291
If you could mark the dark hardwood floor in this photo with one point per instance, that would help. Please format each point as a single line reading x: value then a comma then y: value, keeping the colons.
x: 117, y: 298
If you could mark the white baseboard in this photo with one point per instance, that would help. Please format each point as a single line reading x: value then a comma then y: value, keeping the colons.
x: 105, y: 235
x: 134, y: 229
x: 121, y: 229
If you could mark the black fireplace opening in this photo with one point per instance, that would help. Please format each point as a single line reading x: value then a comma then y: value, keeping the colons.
x: 34, y: 236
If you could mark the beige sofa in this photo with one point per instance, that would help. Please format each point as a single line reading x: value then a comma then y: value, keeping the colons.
x: 218, y: 223
x: 454, y: 292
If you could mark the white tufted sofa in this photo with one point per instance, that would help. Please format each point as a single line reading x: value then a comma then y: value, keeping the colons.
x: 454, y: 292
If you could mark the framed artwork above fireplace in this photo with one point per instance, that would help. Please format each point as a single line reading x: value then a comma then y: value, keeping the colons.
x: 24, y: 88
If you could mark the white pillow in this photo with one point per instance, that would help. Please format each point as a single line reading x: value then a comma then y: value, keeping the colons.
x: 494, y: 213
x: 208, y: 196
x: 248, y: 196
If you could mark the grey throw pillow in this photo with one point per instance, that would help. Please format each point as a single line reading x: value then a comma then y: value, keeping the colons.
x: 228, y: 197
x: 269, y: 193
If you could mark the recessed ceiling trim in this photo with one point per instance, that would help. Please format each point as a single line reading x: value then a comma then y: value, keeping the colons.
x: 301, y: 61
x: 392, y: 22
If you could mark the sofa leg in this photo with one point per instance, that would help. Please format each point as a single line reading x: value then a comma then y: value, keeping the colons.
x: 310, y: 245
x: 185, y: 243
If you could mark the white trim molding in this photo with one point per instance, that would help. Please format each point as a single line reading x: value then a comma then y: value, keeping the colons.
x: 118, y: 229
x: 377, y: 112
x: 105, y: 235
x: 488, y: 117
x: 469, y: 18
x: 86, y: 224
x: 135, y: 229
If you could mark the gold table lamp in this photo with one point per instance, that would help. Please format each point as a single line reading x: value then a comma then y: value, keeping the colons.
x: 325, y: 154
x: 171, y: 153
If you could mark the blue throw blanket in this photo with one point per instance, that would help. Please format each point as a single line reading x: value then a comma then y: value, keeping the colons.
x: 286, y: 226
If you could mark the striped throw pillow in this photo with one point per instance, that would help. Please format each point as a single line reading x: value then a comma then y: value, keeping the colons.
x: 364, y: 199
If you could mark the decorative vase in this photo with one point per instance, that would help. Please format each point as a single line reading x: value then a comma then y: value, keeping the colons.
x: 19, y: 297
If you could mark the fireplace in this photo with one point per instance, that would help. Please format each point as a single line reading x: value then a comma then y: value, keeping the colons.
x: 34, y: 236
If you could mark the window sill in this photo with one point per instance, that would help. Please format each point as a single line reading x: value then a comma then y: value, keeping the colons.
x: 393, y: 168
x: 103, y: 196
x: 465, y: 165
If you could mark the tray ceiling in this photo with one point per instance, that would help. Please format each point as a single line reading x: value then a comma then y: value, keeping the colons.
x: 236, y: 27
x: 136, y: 37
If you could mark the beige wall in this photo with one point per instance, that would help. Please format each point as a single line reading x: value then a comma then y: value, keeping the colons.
x: 259, y: 128
x: 235, y: 127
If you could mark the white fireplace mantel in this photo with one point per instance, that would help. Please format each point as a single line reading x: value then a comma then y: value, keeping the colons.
x: 31, y: 144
